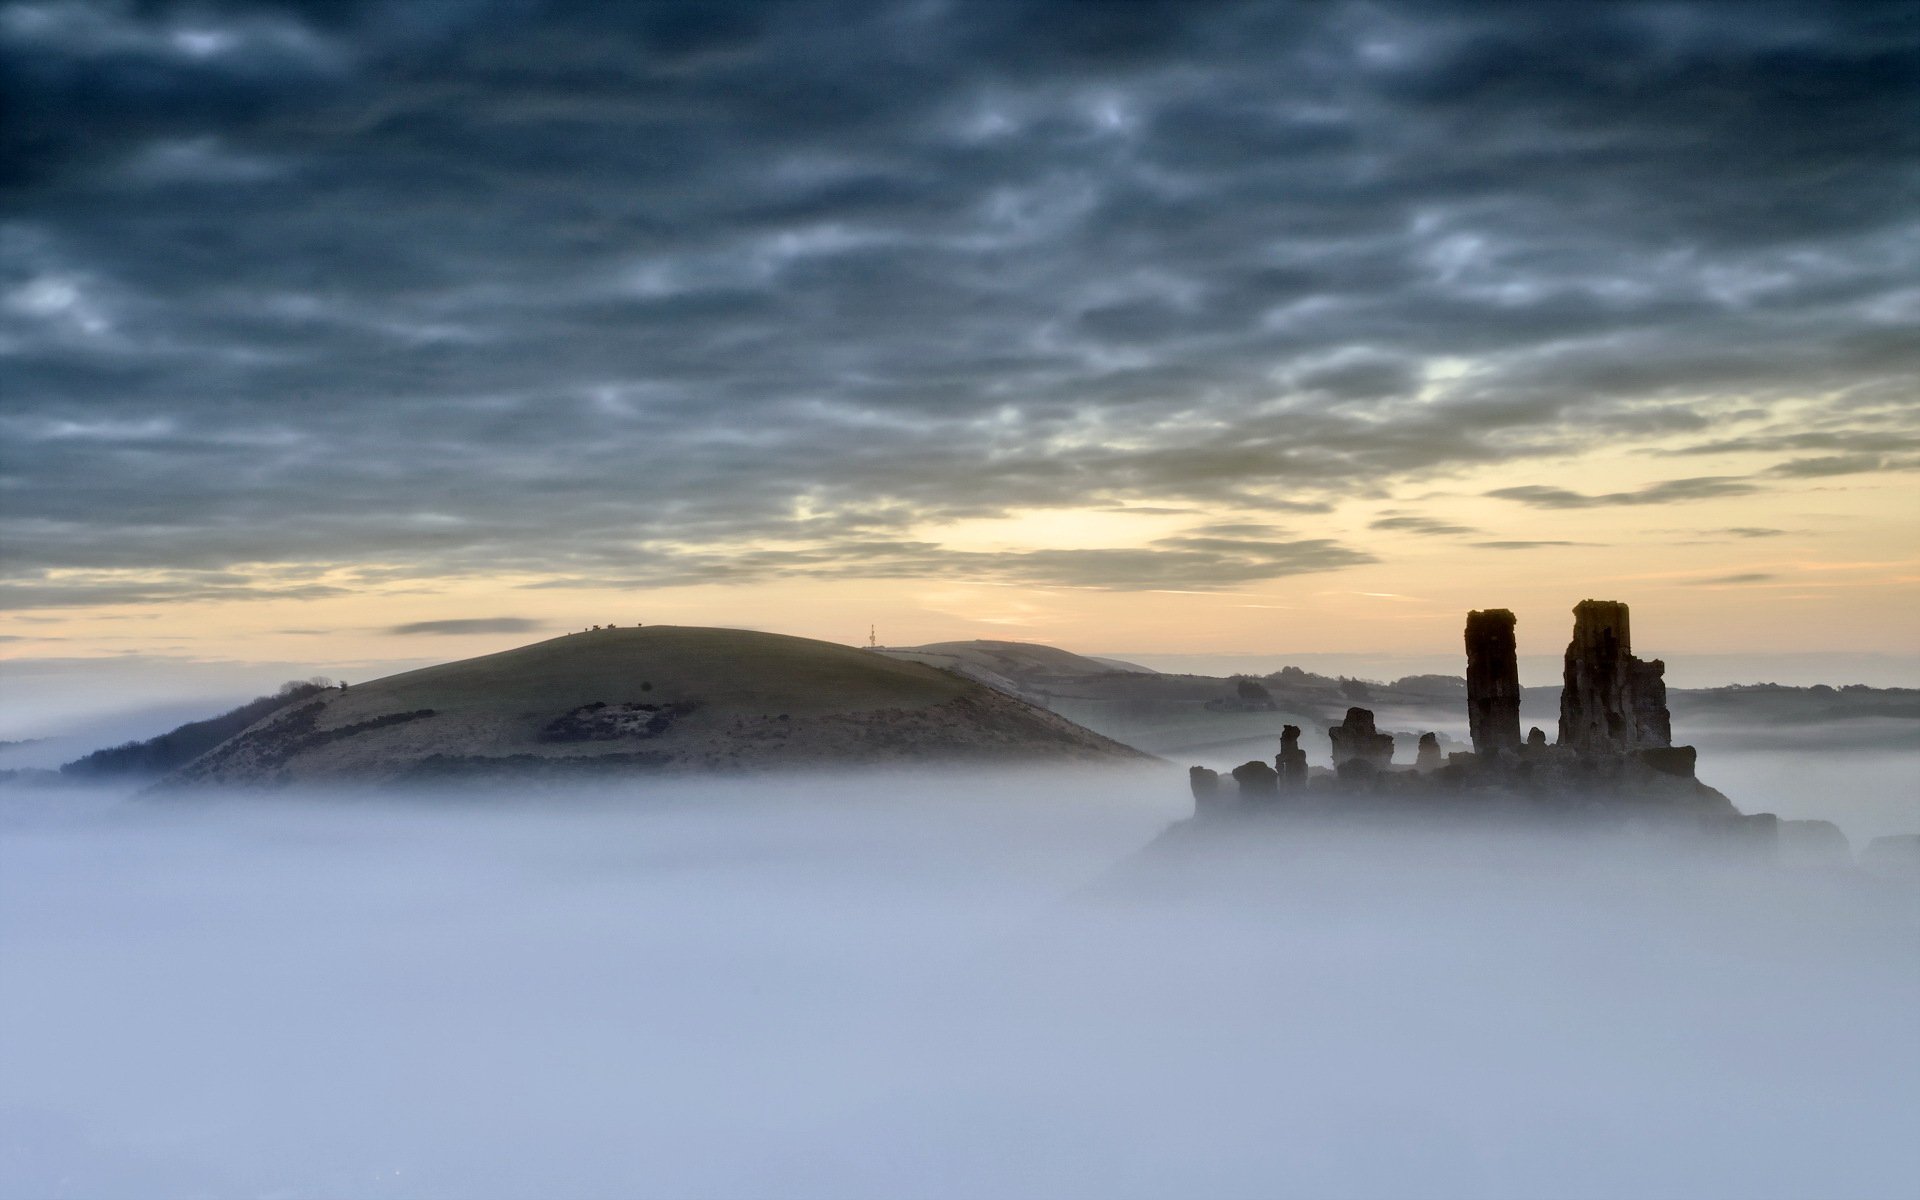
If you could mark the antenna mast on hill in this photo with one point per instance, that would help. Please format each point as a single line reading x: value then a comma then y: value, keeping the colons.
x: 872, y: 641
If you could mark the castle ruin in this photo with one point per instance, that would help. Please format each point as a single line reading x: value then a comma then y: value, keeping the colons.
x: 1615, y: 741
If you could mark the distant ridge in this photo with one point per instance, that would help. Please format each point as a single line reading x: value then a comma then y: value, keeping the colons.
x: 1017, y: 668
x: 644, y: 699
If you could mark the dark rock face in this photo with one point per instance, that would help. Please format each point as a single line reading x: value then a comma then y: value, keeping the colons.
x: 1493, y: 682
x: 1611, y: 702
x: 1292, y: 760
x: 1670, y: 760
x: 1356, y: 738
x: 1206, y: 789
x: 1652, y: 726
x: 1357, y: 774
x: 1536, y: 738
x: 1257, y: 780
x: 1429, y: 757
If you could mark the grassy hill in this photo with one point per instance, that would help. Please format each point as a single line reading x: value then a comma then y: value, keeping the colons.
x: 154, y: 757
x: 661, y: 697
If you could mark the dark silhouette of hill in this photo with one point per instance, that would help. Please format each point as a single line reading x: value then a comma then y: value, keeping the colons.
x: 154, y: 757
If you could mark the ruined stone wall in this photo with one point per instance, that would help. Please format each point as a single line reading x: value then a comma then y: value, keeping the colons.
x: 1610, y: 701
x: 1291, y: 762
x: 1652, y: 725
x: 1357, y: 739
x: 1493, y: 682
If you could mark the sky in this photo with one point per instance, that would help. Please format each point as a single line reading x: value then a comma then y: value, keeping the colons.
x: 346, y: 334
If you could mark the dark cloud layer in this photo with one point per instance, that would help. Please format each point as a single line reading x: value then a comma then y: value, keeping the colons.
x: 1667, y: 491
x: 658, y: 292
x: 464, y: 625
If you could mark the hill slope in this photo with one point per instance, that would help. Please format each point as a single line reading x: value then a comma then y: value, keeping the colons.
x: 1020, y: 659
x: 1024, y: 669
x: 669, y: 697
x: 156, y: 756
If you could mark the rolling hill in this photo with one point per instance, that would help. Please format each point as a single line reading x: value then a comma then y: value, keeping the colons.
x: 642, y: 699
x: 1021, y: 669
x: 155, y: 756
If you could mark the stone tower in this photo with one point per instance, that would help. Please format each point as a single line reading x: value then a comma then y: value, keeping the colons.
x: 1493, y: 682
x: 1610, y: 700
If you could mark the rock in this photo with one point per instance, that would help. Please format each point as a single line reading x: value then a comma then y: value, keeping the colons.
x: 1493, y: 682
x: 1257, y: 780
x: 1292, y: 760
x: 1611, y: 701
x: 1206, y: 789
x: 1536, y: 738
x: 1896, y: 856
x: 1814, y: 844
x: 1429, y: 757
x: 1755, y: 832
x: 1358, y: 772
x: 1670, y: 760
x: 1652, y: 726
x: 1357, y: 738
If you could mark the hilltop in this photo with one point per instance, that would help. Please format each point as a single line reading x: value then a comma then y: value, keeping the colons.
x: 660, y: 697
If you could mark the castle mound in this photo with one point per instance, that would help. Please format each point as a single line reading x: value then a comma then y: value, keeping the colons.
x: 643, y: 699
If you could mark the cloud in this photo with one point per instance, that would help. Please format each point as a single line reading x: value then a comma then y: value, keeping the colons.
x: 1750, y: 531
x: 1730, y: 580
x: 1413, y: 524
x: 1526, y: 544
x: 1835, y: 464
x: 477, y: 287
x: 1670, y: 491
x: 469, y: 625
x: 88, y: 590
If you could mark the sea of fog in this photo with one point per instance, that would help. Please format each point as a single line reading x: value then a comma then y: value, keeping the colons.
x: 945, y: 985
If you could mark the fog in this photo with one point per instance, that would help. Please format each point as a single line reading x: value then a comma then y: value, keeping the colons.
x: 1862, y: 775
x: 951, y: 984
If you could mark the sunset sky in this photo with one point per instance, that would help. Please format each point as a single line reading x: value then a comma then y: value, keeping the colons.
x: 357, y: 333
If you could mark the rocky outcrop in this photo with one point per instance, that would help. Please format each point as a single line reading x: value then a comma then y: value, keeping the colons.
x: 1652, y: 725
x: 1292, y: 760
x: 1206, y: 789
x: 1493, y: 682
x: 1677, y: 761
x: 1257, y: 780
x: 1611, y: 702
x: 1356, y: 739
x: 1536, y: 738
x: 1429, y: 757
